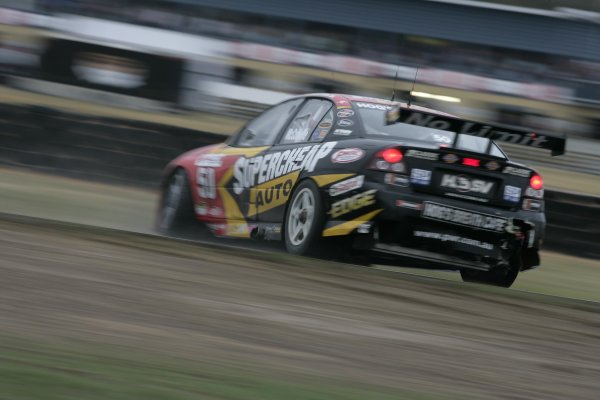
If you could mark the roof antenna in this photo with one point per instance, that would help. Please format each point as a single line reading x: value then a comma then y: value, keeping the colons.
x: 410, y: 96
x: 333, y: 82
x: 395, y: 81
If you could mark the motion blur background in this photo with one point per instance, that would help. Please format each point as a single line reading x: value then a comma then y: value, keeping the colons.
x: 532, y: 62
x: 97, y: 96
x: 112, y: 90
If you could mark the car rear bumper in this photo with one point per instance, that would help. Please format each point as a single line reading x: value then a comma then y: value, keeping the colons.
x: 447, y: 232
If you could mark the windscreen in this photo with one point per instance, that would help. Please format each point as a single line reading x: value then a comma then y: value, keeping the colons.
x: 374, y: 125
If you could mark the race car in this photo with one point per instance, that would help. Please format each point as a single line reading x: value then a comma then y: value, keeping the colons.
x: 377, y: 180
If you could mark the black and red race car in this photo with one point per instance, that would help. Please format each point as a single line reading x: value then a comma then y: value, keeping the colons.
x: 391, y: 183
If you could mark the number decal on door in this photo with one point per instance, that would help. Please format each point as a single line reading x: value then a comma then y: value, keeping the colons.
x: 206, y: 182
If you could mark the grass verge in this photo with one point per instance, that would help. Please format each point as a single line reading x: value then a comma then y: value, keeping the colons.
x: 559, y: 275
x: 39, y: 370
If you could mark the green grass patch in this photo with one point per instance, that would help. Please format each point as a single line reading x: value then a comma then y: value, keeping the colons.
x: 559, y: 275
x: 36, y: 370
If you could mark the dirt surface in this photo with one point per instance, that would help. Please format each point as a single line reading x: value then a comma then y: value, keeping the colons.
x: 296, y: 317
x: 132, y: 209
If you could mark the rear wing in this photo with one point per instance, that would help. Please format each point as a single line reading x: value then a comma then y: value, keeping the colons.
x: 500, y: 133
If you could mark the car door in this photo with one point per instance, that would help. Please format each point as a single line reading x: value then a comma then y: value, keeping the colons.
x: 297, y: 147
x: 226, y: 175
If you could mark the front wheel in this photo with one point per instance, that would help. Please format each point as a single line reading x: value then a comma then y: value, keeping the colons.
x: 304, y: 220
x: 176, y: 210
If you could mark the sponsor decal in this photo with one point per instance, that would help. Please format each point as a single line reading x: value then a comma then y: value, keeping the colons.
x: 450, y: 158
x: 298, y: 130
x: 342, y: 132
x: 454, y: 238
x: 425, y: 155
x: 325, y: 125
x: 215, y: 212
x: 201, y: 209
x: 463, y: 217
x: 209, y: 160
x: 473, y: 128
x: 531, y: 192
x: 396, y: 180
x: 492, y: 165
x: 408, y: 204
x: 321, y: 134
x: 345, y: 122
x: 205, y: 179
x: 271, y: 194
x: 349, y: 155
x: 217, y: 227
x: 398, y: 167
x: 517, y: 171
x: 346, y: 186
x: 373, y: 106
x: 364, y: 228
x: 103, y: 69
x: 346, y: 113
x: 353, y: 203
x: 272, y: 229
x: 465, y: 196
x: 238, y: 229
x: 441, y: 138
x: 465, y: 184
x: 532, y: 205
x: 342, y: 103
x: 512, y: 193
x: 420, y: 176
x: 266, y: 231
x: 249, y: 172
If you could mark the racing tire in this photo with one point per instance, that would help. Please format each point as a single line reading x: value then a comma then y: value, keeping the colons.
x: 304, y: 219
x: 176, y: 210
x: 502, y: 277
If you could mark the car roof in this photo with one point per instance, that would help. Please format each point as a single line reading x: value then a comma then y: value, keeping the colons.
x: 344, y: 100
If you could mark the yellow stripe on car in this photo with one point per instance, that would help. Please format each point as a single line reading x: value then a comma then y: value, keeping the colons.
x: 347, y: 227
x: 233, y: 216
x: 239, y: 151
x: 323, y: 180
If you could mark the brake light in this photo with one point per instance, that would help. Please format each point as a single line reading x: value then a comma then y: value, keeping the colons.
x: 389, y: 160
x: 536, y: 182
x: 471, y: 162
x: 392, y: 155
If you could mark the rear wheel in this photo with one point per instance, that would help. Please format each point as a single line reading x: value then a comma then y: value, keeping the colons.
x: 304, y: 220
x: 176, y: 211
x: 503, y: 275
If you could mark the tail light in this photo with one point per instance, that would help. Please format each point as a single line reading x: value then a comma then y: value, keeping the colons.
x: 471, y: 162
x: 534, y: 194
x: 389, y: 160
x: 536, y: 182
x: 392, y: 155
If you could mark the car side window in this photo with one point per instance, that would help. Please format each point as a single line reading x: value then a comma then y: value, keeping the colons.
x: 303, y: 126
x: 323, y: 128
x: 495, y: 151
x: 263, y: 130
